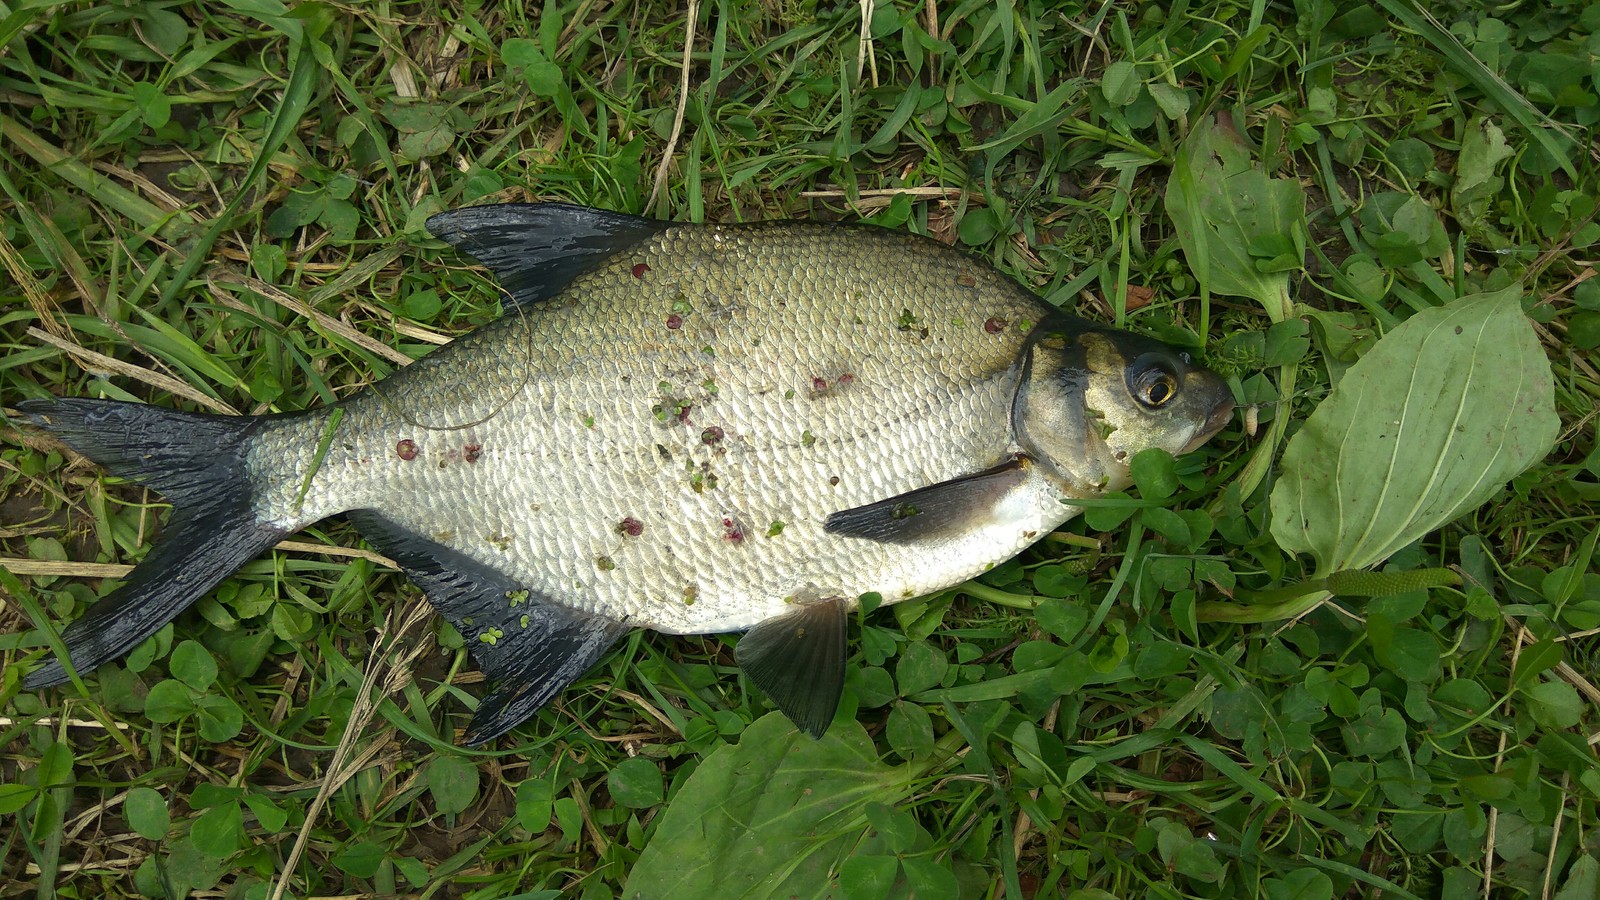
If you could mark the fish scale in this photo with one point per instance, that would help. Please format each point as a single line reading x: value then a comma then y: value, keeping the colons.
x: 689, y: 428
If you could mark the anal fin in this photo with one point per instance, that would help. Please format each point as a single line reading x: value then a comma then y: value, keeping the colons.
x: 530, y: 647
x: 949, y: 508
x: 798, y: 660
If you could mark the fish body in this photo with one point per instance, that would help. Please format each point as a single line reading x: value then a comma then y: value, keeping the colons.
x: 689, y: 428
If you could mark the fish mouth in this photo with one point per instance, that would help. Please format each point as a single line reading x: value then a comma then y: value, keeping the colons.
x: 1220, y: 415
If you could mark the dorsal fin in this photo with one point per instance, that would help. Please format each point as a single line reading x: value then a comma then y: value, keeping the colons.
x: 536, y: 249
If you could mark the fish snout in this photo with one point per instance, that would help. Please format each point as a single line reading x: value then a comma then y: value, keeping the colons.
x: 1221, y: 414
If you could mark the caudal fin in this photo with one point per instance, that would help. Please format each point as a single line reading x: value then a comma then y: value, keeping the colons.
x: 197, y: 462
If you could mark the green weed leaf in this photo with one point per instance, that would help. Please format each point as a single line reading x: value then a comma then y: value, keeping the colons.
x: 55, y: 766
x: 1063, y: 619
x: 910, y: 730
x: 1377, y: 733
x: 1582, y: 881
x: 1429, y: 424
x: 146, y: 811
x: 1301, y: 884
x: 192, y: 664
x: 770, y: 817
x: 636, y: 783
x: 523, y: 56
x: 868, y: 877
x: 219, y: 831
x: 1120, y: 83
x: 453, y: 782
x: 535, y: 804
x: 361, y: 860
x: 921, y: 668
x: 168, y: 701
x: 269, y: 815
x: 1555, y: 704
x: 896, y: 827
x: 1155, y: 473
x: 929, y: 879
x: 15, y: 796
x: 220, y: 719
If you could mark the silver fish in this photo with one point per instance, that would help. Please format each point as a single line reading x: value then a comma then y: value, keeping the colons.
x: 690, y: 428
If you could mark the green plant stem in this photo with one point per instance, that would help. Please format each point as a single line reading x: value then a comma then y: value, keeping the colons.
x: 997, y: 596
x: 1074, y: 540
x: 1261, y: 459
x: 1242, y: 614
x: 944, y: 750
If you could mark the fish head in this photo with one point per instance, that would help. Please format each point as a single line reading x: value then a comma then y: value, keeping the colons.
x: 1091, y: 398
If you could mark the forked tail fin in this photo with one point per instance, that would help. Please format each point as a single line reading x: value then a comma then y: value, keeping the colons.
x: 196, y: 461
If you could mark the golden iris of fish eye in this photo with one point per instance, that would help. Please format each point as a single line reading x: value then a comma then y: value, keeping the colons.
x: 1154, y: 379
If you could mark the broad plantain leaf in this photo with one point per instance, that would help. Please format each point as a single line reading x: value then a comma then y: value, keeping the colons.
x: 1444, y: 410
x: 775, y: 816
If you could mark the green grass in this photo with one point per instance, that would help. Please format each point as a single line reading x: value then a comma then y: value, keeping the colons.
x: 220, y: 207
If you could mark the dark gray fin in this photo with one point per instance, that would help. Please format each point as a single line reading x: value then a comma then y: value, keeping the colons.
x: 536, y: 249
x: 530, y: 647
x: 197, y: 462
x: 939, y: 510
x: 798, y: 660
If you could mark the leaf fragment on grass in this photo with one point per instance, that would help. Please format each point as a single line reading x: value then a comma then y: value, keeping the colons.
x: 774, y: 816
x: 1222, y: 204
x: 1482, y: 150
x: 1445, y: 409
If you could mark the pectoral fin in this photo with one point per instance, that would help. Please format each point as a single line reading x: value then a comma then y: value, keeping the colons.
x: 531, y: 648
x: 949, y: 508
x: 798, y: 660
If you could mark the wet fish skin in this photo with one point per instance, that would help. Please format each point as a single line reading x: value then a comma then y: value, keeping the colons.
x: 693, y: 429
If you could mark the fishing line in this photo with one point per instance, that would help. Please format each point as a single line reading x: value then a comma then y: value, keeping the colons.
x: 527, y: 378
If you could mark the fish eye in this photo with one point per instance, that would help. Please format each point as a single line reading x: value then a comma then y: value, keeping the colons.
x: 1153, y: 381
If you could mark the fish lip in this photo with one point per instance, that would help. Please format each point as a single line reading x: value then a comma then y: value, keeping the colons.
x: 1220, y: 416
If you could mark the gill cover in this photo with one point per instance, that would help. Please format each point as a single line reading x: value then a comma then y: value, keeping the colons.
x: 1049, y: 418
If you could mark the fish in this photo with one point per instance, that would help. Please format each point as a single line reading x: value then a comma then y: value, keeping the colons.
x: 690, y: 428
